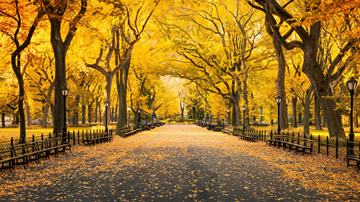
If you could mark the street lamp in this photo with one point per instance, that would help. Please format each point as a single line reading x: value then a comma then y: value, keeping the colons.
x: 106, y: 115
x: 218, y: 118
x: 65, y: 92
x: 244, y: 117
x: 278, y: 101
x: 351, y: 85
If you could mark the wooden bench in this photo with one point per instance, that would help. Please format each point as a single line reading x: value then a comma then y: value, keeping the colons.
x: 351, y: 155
x: 251, y: 136
x: 127, y: 131
x: 22, y: 154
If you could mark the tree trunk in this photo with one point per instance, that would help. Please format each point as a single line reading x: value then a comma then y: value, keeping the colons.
x: 121, y: 79
x: 300, y: 121
x: 97, y: 105
x: 236, y: 111
x: 317, y: 113
x: 76, y: 113
x: 293, y: 104
x: 100, y: 112
x: 45, y: 116
x: 280, y: 82
x: 15, y: 63
x: 28, y: 113
x: 90, y: 113
x: 116, y: 110
x: 60, y: 73
x: 321, y: 83
x: 83, y: 114
x: 108, y: 85
x: 246, y: 103
x: 307, y: 111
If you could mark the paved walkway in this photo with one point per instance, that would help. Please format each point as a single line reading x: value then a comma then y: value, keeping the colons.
x: 174, y: 162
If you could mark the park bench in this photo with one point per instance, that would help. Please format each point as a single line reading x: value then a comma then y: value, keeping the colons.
x: 298, y: 144
x: 127, y: 131
x: 237, y: 131
x: 17, y: 155
x: 22, y: 154
x: 351, y: 155
x: 249, y: 135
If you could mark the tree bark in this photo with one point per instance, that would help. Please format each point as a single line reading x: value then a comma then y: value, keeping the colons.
x: 307, y: 111
x: 317, y: 113
x: 236, y: 117
x: 97, y: 105
x: 280, y: 82
x: 294, y: 113
x: 28, y: 113
x: 60, y: 73
x: 109, y: 79
x: 122, y: 78
x: 83, y: 114
x: 76, y: 110
x: 322, y: 89
x: 15, y: 61
x: 45, y: 116
x: 90, y: 113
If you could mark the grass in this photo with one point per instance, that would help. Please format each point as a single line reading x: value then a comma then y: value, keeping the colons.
x: 7, y: 133
x: 323, y: 133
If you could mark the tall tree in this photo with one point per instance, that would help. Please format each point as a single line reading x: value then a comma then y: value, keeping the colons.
x: 309, y: 38
x: 131, y: 29
x: 55, y: 10
x: 13, y: 12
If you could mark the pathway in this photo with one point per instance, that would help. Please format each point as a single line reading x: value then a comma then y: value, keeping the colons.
x: 181, y: 163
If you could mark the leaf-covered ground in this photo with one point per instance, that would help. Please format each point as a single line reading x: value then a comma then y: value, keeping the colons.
x: 182, y: 162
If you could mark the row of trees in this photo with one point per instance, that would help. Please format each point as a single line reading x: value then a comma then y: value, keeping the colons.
x: 229, y: 48
x: 230, y: 54
x: 42, y: 72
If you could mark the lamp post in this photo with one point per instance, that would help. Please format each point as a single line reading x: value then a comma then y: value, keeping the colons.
x: 64, y: 92
x: 351, y: 84
x: 218, y: 118
x: 244, y: 117
x: 278, y: 101
x: 106, y: 115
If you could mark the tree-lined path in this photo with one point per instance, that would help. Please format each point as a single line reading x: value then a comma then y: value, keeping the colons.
x: 181, y: 162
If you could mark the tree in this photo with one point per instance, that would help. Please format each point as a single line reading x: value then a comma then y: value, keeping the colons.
x: 55, y: 10
x: 107, y: 71
x: 309, y: 43
x: 14, y: 12
x: 131, y: 27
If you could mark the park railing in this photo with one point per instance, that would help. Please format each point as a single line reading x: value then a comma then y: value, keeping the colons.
x: 339, y: 148
x: 72, y: 137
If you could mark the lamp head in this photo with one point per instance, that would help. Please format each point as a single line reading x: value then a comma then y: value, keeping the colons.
x: 278, y: 99
x: 65, y: 91
x: 351, y: 84
x: 106, y: 103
